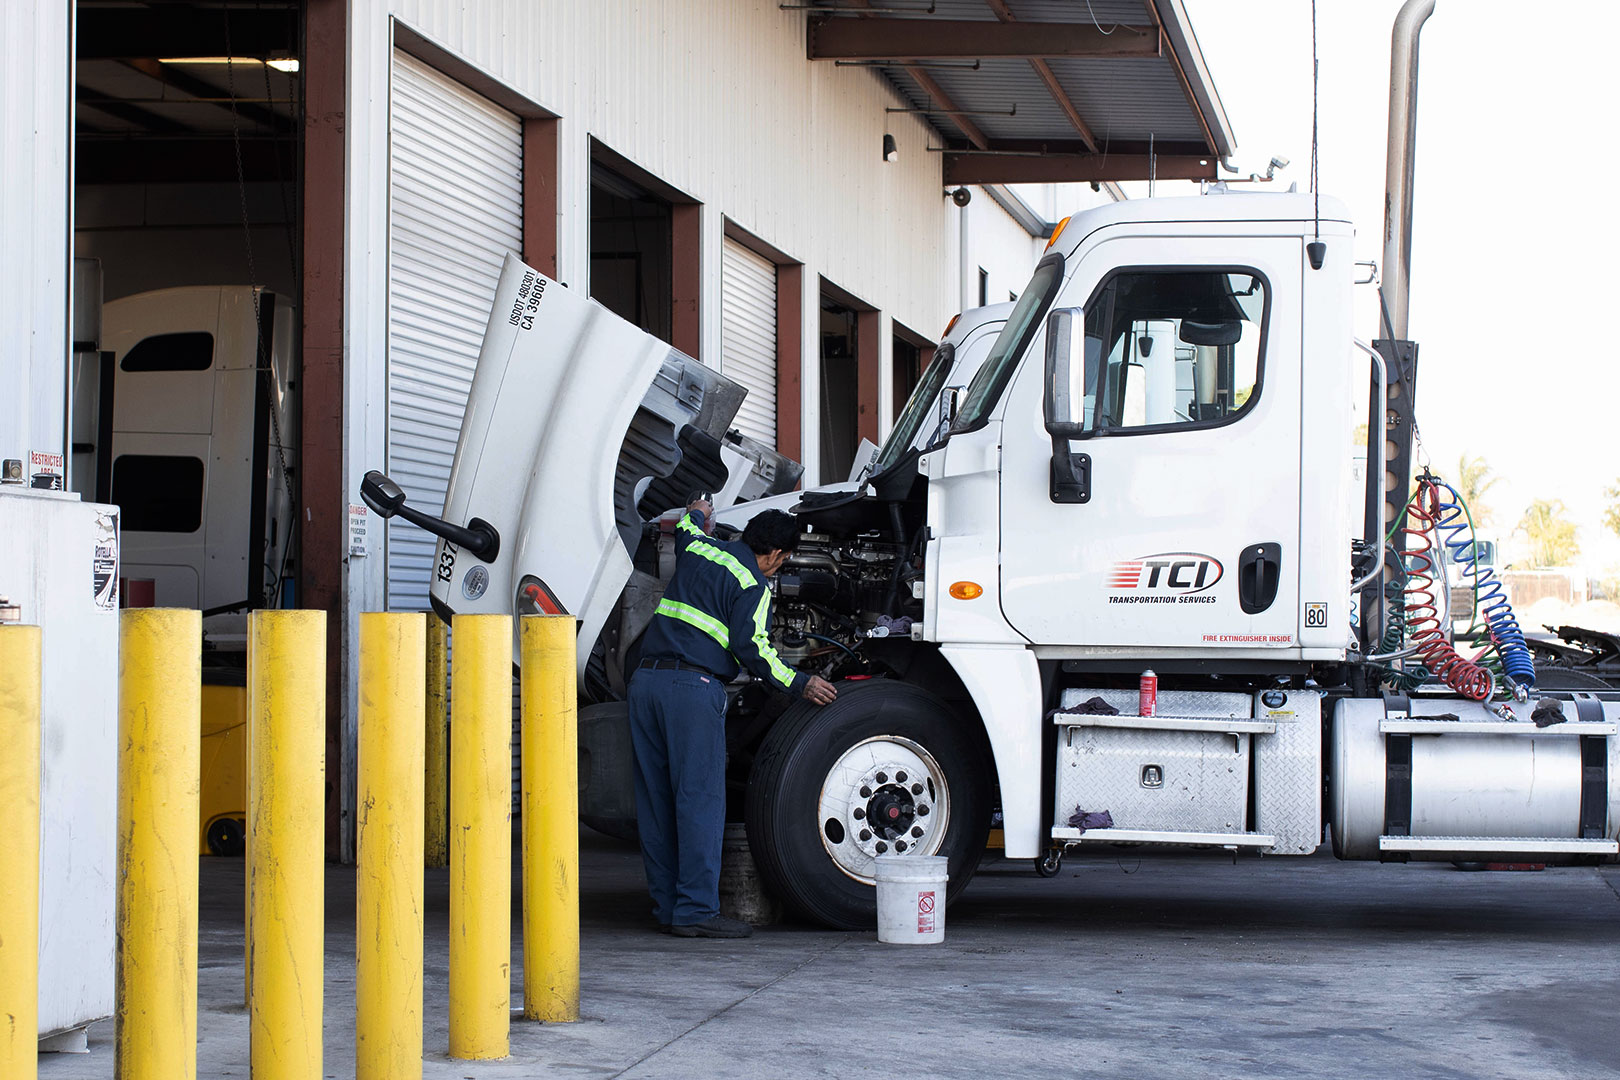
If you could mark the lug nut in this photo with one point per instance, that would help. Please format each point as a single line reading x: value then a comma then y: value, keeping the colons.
x: 922, y: 809
x: 859, y: 813
x: 882, y: 847
x: 900, y: 777
x: 866, y: 834
x: 916, y: 789
x: 882, y: 778
x: 916, y: 830
x: 866, y: 792
x: 899, y: 845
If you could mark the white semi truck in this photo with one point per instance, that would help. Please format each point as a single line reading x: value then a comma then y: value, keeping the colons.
x: 187, y: 420
x: 1147, y: 470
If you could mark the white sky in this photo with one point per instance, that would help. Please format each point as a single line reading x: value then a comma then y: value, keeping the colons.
x: 1515, y: 260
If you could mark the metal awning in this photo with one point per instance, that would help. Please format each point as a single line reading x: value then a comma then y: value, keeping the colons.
x: 1036, y: 91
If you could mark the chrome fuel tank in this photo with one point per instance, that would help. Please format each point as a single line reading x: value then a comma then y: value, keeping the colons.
x: 1442, y: 778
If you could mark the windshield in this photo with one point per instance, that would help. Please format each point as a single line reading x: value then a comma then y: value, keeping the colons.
x: 998, y: 368
x: 919, y: 409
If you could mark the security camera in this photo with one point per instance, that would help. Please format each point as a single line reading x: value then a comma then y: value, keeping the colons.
x: 1279, y: 162
x: 961, y: 196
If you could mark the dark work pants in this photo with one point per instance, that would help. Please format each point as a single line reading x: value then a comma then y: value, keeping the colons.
x: 678, y: 731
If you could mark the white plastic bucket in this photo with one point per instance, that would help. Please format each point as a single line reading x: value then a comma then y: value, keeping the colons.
x: 911, y: 899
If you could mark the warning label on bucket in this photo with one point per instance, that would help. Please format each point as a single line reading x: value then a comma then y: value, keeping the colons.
x: 925, y: 913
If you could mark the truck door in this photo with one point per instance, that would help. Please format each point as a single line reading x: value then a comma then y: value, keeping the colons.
x: 1176, y: 521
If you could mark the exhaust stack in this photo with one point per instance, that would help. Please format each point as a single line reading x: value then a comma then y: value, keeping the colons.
x: 1400, y: 159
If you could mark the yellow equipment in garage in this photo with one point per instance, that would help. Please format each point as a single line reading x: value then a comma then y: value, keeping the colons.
x: 222, y: 825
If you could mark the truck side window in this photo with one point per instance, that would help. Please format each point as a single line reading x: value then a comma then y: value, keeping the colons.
x: 191, y: 350
x: 159, y: 492
x: 1173, y: 347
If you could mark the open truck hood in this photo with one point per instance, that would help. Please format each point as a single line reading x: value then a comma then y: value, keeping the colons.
x: 580, y: 428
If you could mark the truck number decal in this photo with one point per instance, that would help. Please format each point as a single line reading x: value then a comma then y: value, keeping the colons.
x: 447, y: 561
x: 1315, y: 616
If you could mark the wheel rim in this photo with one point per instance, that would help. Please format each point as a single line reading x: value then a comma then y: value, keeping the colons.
x: 906, y: 812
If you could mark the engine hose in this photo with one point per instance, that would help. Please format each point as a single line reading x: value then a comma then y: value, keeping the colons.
x: 833, y: 641
x: 1456, y: 528
x: 1424, y: 622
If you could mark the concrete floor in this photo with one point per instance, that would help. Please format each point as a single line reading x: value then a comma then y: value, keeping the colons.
x: 1167, y: 966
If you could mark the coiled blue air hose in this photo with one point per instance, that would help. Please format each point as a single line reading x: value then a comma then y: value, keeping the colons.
x: 1457, y: 532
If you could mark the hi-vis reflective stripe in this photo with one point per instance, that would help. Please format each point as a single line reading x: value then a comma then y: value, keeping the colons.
x: 744, y: 576
x: 690, y: 615
x: 762, y: 641
x: 715, y: 554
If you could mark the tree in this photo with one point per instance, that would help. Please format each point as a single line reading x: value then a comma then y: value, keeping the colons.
x: 1474, y: 479
x: 1611, y: 516
x: 1551, y: 534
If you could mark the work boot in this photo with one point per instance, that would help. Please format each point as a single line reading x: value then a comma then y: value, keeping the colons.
x: 717, y: 927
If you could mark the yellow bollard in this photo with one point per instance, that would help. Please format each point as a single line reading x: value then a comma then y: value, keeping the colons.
x: 286, y: 878
x: 388, y: 887
x: 437, y: 807
x: 550, y: 747
x: 159, y: 762
x: 481, y: 837
x: 19, y: 851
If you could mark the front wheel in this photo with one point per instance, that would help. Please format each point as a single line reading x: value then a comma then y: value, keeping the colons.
x: 887, y: 769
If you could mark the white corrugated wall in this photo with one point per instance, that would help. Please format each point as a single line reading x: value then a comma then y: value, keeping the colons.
x: 748, y: 336
x: 455, y: 210
x: 36, y: 223
x: 720, y: 101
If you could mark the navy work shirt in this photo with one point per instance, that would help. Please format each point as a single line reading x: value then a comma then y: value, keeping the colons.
x: 716, y: 612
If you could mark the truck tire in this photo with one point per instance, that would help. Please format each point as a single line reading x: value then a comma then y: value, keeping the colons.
x: 885, y: 752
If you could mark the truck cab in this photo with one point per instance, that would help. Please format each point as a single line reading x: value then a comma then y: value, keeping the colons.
x: 1146, y: 467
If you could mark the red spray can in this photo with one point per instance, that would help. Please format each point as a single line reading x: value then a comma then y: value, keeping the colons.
x: 1148, y: 701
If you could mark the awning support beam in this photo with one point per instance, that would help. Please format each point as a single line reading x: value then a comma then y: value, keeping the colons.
x: 949, y: 39
x: 1044, y: 71
x: 968, y: 167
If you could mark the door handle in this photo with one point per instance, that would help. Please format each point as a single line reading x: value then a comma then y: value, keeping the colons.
x: 1259, y: 572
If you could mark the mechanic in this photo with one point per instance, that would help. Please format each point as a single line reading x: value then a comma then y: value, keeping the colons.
x: 715, y: 615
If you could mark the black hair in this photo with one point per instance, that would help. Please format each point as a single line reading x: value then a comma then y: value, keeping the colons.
x: 771, y: 530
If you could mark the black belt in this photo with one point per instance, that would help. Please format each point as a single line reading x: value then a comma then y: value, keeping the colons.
x: 676, y: 665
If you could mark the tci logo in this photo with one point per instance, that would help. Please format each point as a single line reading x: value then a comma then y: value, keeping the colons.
x: 1173, y: 571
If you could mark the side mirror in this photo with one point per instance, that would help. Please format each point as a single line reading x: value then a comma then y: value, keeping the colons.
x: 950, y: 402
x: 381, y: 494
x: 1066, y: 355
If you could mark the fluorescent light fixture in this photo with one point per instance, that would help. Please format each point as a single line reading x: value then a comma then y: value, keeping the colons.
x: 287, y: 64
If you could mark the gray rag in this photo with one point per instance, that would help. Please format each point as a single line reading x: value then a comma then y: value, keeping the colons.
x: 1090, y: 819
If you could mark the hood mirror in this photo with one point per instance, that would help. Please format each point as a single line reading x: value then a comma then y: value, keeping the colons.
x: 381, y: 494
x: 478, y: 537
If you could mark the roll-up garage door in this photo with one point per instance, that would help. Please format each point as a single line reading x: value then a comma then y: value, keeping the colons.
x: 455, y: 210
x: 748, y: 343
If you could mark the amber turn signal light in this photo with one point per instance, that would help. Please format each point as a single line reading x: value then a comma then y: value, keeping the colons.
x: 967, y: 590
